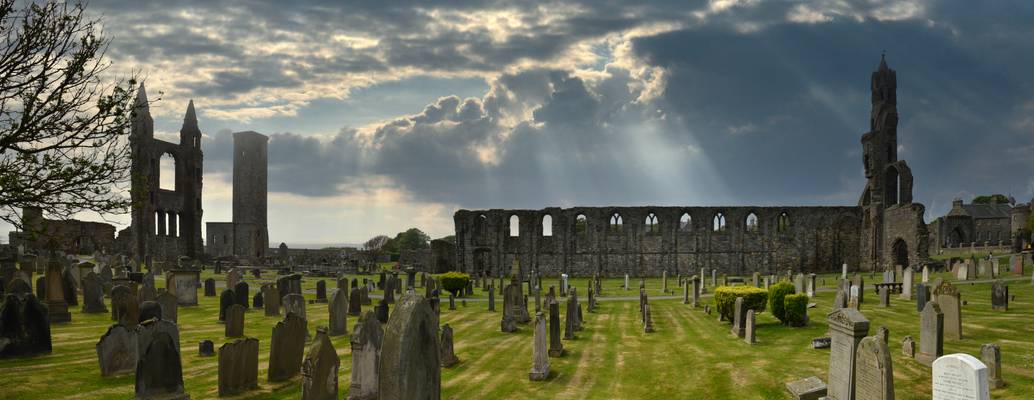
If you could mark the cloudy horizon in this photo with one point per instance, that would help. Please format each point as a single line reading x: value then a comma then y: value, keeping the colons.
x: 389, y: 115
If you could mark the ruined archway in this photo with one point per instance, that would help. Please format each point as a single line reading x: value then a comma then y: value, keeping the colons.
x: 900, y: 253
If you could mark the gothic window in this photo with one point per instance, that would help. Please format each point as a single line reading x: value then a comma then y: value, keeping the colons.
x: 167, y: 172
x: 752, y: 222
x: 515, y: 226
x: 615, y: 222
x: 685, y: 223
x: 581, y: 225
x: 651, y: 224
x: 783, y: 224
x: 547, y: 225
x: 719, y: 223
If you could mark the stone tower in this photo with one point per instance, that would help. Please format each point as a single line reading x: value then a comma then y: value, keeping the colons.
x: 166, y: 222
x: 249, y: 194
x: 894, y: 231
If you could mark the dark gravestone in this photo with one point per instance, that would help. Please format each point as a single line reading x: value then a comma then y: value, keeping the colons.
x: 240, y: 293
x: 389, y: 292
x: 257, y: 300
x: 448, y: 355
x: 159, y: 374
x: 234, y: 321
x: 338, y: 311
x: 56, y: 301
x: 205, y: 348
x: 355, y: 301
x: 238, y: 366
x: 295, y: 303
x: 556, y: 347
x: 1000, y: 296
x: 147, y: 293
x: 117, y: 351
x: 209, y: 287
x: 355, y: 283
x: 226, y: 299
x: 321, y: 291
x: 491, y: 298
x: 286, y: 348
x: 381, y: 311
x: 24, y: 326
x: 410, y: 357
x: 922, y: 296
x: 70, y: 286
x: 41, y: 286
x: 124, y: 307
x: 366, y: 347
x: 319, y: 369
x: 365, y: 292
x: 149, y: 310
x: 93, y: 295
x: 170, y: 306
x: 147, y: 330
x: 270, y: 300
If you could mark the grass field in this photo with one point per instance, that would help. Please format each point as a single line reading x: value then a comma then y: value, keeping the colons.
x: 691, y: 356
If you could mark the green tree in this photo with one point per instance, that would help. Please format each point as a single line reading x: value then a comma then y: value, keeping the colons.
x: 989, y: 199
x: 411, y: 239
x: 63, y: 128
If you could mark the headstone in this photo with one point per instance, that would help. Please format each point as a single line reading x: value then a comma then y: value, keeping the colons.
x: 234, y: 321
x: 949, y: 299
x: 884, y: 296
x: 319, y: 369
x: 381, y: 311
x: 749, y: 336
x: 739, y: 323
x: 209, y: 287
x: 448, y: 356
x: 147, y: 293
x: 355, y: 302
x: 117, y: 351
x: 169, y: 305
x: 959, y: 377
x: 70, y: 286
x: 1000, y: 296
x: 556, y: 347
x: 238, y: 366
x: 410, y: 365
x: 366, y: 344
x: 874, y: 372
x: 540, y: 358
x: 696, y: 291
x: 931, y: 333
x: 906, y: 283
x: 149, y: 310
x: 241, y: 295
x: 847, y: 327
x: 124, y: 307
x: 908, y: 347
x: 926, y: 274
x: 843, y: 271
x: 364, y: 295
x: 270, y: 300
x: 258, y: 300
x: 294, y: 303
x: 810, y: 388
x: 991, y: 356
x: 159, y: 374
x: 647, y: 319
x: 922, y: 296
x: 57, y: 303
x: 286, y: 348
x: 321, y: 291
x: 233, y: 277
x: 184, y: 284
x: 226, y: 299
x: 338, y: 309
x: 570, y: 317
x: 93, y: 295
x: 811, y: 285
x: 205, y: 348
x: 491, y: 297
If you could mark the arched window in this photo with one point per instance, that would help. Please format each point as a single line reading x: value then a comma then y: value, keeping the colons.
x: 783, y: 224
x: 651, y: 224
x: 547, y: 225
x: 752, y: 222
x: 615, y: 222
x: 515, y: 226
x: 170, y: 228
x: 167, y: 172
x: 157, y: 223
x: 719, y: 222
x: 685, y: 223
x: 581, y: 225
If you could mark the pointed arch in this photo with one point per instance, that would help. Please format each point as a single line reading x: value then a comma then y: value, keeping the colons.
x: 685, y: 223
x: 547, y: 225
x: 751, y: 222
x: 652, y: 226
x: 581, y: 225
x: 718, y: 224
x: 515, y: 226
x: 783, y: 222
x: 615, y: 222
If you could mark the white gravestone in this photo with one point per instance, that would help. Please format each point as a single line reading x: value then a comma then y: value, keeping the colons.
x: 960, y: 377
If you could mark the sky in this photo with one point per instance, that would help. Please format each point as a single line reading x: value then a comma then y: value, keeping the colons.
x: 393, y: 114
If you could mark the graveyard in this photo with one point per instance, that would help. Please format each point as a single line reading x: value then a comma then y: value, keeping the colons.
x: 689, y: 353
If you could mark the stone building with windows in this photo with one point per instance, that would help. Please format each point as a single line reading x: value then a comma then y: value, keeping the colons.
x: 980, y: 225
x: 69, y: 236
x: 247, y: 237
x: 885, y: 228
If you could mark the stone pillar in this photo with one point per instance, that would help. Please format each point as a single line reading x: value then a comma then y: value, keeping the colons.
x: 57, y: 307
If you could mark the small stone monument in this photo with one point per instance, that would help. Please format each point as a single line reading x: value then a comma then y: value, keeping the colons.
x: 238, y: 366
x: 931, y: 333
x: 874, y: 372
x: 117, y: 351
x: 366, y: 346
x: 960, y: 376
x: 949, y: 299
x: 749, y: 336
x: 540, y: 358
x: 448, y: 356
x: 319, y: 369
x: 1000, y: 296
x: 286, y: 348
x: 908, y: 347
x: 847, y: 328
x: 410, y: 365
x: 338, y: 309
x: 234, y: 321
x: 991, y: 356
x: 159, y: 374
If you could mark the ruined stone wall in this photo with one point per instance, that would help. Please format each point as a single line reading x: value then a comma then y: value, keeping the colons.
x: 250, y: 193
x: 219, y: 239
x: 71, y: 236
x: 811, y: 239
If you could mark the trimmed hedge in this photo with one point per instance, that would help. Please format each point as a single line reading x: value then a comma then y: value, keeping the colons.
x: 454, y: 282
x: 725, y: 299
x: 796, y: 309
x: 776, y: 293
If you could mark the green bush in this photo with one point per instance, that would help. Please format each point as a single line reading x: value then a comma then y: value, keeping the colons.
x: 776, y: 293
x: 725, y: 299
x: 796, y: 309
x: 454, y: 282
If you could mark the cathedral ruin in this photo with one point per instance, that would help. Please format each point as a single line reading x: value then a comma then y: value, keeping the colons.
x: 247, y: 237
x: 884, y: 229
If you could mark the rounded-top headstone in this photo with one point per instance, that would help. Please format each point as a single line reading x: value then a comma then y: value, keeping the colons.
x: 410, y: 359
x: 149, y: 310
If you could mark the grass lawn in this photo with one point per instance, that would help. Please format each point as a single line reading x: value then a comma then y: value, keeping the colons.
x: 691, y: 355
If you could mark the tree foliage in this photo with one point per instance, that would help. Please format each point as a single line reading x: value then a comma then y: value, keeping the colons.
x: 776, y: 294
x: 454, y: 282
x: 63, y: 128
x: 991, y: 199
x: 412, y: 239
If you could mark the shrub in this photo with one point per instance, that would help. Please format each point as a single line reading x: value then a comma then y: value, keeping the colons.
x: 776, y: 293
x: 795, y: 307
x: 725, y: 299
x: 454, y: 282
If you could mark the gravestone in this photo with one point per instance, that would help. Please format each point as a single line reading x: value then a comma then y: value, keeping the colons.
x: 540, y: 357
x: 739, y: 323
x: 169, y: 305
x: 321, y: 291
x: 93, y: 295
x: 960, y: 377
x: 124, y: 307
x: 226, y: 299
x: 810, y: 388
x: 338, y: 309
x: 147, y: 293
x: 355, y: 302
x: 241, y: 295
x: 840, y: 300
x: 365, y: 296
x: 847, y: 327
x: 149, y: 310
x: 931, y: 333
x: 491, y: 298
x: 69, y: 286
x: 41, y: 286
x: 234, y: 321
x: 381, y: 311
x: 270, y: 300
x: 389, y: 291
x: 238, y: 366
x: 184, y: 284
x: 647, y: 319
x: 319, y: 369
x: 286, y: 348
x: 448, y: 356
x: 258, y: 299
x: 117, y: 351
x: 569, y: 319
x: 205, y: 348
x: 209, y: 287
x: 147, y: 330
x: 366, y: 345
x: 410, y: 365
x: 926, y: 274
x: 452, y: 302
x: 556, y: 347
x: 233, y: 277
x: 1000, y: 296
x: 295, y: 303
x: 25, y: 328
x: 57, y: 302
x: 748, y: 335
x: 884, y: 296
x: 906, y: 283
x: 810, y: 285
x: 908, y: 347
x: 949, y: 299
x: 991, y: 356
x: 874, y: 372
x: 922, y: 296
x: 159, y: 374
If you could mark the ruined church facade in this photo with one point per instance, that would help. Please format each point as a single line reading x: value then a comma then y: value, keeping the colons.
x: 885, y: 227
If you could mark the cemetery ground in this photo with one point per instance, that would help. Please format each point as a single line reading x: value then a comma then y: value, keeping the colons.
x: 690, y: 356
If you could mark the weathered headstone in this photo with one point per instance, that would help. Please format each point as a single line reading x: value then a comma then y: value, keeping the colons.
x: 810, y: 388
x: 491, y: 297
x: 366, y: 345
x: 270, y: 300
x: 739, y: 324
x: 57, y: 303
x: 1000, y: 296
x: 931, y: 333
x: 748, y: 335
x: 149, y: 310
x: 205, y: 348
x: 209, y: 287
x: 991, y: 356
x: 93, y: 295
x: 540, y: 357
x: 874, y: 372
x: 448, y: 356
x: 556, y: 347
x: 147, y: 293
x: 234, y: 321
x: 226, y: 299
x: 117, y: 351
x: 294, y: 303
x: 321, y: 291
x: 124, y: 307
x: 960, y: 377
x: 241, y: 295
x: 949, y: 299
x: 286, y: 348
x: 258, y: 300
x: 906, y: 283
x: 410, y: 365
x: 884, y: 296
x: 184, y: 284
x: 922, y: 296
x: 355, y: 303
x: 319, y: 369
x: 238, y: 366
x: 908, y: 347
x: 159, y: 374
x: 847, y: 327
x: 169, y: 305
x: 338, y: 309
x: 926, y: 274
x: 381, y: 311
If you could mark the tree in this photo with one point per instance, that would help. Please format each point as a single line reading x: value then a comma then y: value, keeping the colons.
x: 63, y: 128
x: 374, y: 247
x: 411, y: 239
x: 991, y: 199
